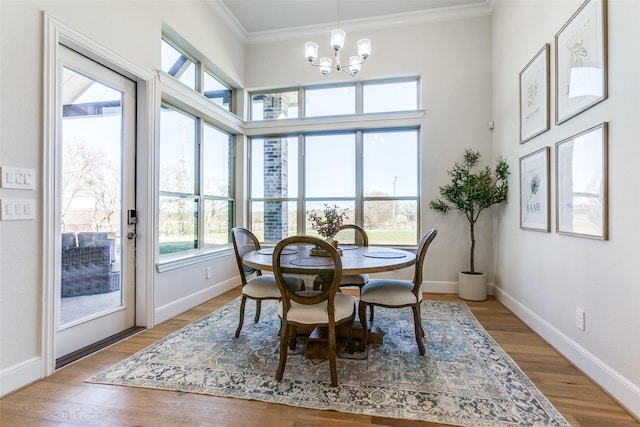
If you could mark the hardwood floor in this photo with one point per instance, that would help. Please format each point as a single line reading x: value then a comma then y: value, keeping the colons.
x: 64, y: 399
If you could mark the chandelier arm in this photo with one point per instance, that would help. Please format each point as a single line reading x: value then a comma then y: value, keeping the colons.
x: 347, y: 71
x: 333, y: 67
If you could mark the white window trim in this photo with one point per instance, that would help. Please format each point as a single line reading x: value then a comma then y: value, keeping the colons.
x: 55, y: 33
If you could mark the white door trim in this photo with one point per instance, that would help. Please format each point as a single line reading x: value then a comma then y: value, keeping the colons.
x: 56, y: 33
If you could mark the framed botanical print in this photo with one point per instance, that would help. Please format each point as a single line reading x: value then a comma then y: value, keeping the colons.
x: 534, y: 191
x: 534, y: 96
x: 581, y: 184
x: 581, y: 60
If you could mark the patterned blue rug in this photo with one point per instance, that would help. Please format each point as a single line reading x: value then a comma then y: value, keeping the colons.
x: 464, y: 379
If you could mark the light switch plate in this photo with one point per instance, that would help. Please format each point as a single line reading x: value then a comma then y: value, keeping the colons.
x: 17, y: 209
x: 21, y: 178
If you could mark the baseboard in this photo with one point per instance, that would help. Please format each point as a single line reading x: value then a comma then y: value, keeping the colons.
x: 617, y: 386
x: 440, y: 287
x: 175, y: 308
x: 447, y: 287
x: 21, y: 375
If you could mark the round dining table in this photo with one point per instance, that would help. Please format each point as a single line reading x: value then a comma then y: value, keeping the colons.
x: 355, y: 260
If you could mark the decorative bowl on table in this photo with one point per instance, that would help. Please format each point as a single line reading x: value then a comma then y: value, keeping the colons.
x: 318, y: 251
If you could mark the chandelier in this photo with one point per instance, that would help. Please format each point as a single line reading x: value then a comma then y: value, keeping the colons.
x: 327, y: 65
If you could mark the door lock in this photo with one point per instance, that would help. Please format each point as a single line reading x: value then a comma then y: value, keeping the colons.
x: 132, y: 217
x: 131, y: 235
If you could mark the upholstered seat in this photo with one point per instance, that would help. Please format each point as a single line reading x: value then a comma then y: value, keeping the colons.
x: 319, y: 313
x: 396, y: 293
x: 391, y: 292
x: 258, y: 287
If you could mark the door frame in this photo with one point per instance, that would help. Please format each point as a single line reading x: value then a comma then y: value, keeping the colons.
x: 56, y: 33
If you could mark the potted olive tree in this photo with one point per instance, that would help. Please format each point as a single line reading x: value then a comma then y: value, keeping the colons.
x: 470, y: 192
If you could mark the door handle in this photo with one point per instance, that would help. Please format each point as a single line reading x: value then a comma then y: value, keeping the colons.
x: 131, y: 235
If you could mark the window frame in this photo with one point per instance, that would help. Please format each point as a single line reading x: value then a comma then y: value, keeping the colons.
x: 187, y: 100
x: 198, y: 195
x: 359, y: 123
x: 358, y: 200
x: 359, y: 96
x: 203, y: 65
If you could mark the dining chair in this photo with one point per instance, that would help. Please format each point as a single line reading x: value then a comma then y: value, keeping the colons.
x: 394, y: 293
x: 351, y: 235
x: 324, y: 307
x: 258, y: 287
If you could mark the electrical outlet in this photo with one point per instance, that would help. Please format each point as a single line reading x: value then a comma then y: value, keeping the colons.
x: 580, y: 318
x: 209, y: 272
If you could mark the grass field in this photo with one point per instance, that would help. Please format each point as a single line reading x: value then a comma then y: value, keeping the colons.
x: 382, y: 237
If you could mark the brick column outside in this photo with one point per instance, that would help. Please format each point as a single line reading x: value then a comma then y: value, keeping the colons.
x: 276, y: 166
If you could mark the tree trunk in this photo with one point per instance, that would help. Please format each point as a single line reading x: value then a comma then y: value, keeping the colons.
x: 473, y: 247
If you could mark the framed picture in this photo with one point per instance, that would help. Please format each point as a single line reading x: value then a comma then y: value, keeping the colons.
x: 534, y: 96
x: 581, y: 60
x: 581, y: 184
x: 534, y: 191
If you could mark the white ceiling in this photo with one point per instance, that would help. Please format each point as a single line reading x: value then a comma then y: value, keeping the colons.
x: 262, y: 17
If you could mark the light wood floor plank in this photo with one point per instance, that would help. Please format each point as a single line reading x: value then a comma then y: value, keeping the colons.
x: 64, y: 399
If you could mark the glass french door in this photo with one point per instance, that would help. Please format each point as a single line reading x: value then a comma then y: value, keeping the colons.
x: 95, y: 199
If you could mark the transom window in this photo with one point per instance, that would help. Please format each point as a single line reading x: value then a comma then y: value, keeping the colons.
x: 378, y: 96
x: 387, y: 96
x: 185, y: 67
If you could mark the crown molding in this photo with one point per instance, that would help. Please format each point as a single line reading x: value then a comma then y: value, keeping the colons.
x: 388, y: 21
x: 223, y: 11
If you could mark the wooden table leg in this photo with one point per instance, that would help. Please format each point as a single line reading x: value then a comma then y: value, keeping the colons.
x: 317, y: 343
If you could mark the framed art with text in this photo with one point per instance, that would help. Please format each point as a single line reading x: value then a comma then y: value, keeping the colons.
x: 534, y: 96
x: 581, y: 60
x: 581, y: 184
x: 534, y: 191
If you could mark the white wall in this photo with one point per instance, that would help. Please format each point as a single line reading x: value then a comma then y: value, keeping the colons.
x: 454, y: 60
x: 132, y: 30
x: 544, y: 277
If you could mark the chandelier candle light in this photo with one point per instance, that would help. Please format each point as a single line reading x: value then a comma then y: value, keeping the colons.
x: 337, y: 43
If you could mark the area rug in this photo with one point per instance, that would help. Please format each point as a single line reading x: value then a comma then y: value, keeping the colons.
x: 464, y: 379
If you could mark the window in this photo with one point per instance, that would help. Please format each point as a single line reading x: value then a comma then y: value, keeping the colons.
x: 196, y: 208
x: 378, y: 96
x: 371, y: 173
x: 390, y: 186
x: 196, y: 205
x: 330, y: 166
x: 177, y: 62
x: 274, y: 105
x: 330, y: 101
x: 386, y: 96
x: 216, y: 90
x: 274, y: 187
x: 216, y: 186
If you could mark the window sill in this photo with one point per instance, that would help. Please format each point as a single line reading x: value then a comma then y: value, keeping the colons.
x: 181, y: 261
x: 346, y: 122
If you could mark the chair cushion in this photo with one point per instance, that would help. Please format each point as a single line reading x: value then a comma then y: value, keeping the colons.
x: 266, y: 286
x: 389, y: 292
x: 354, y: 279
x: 317, y: 313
